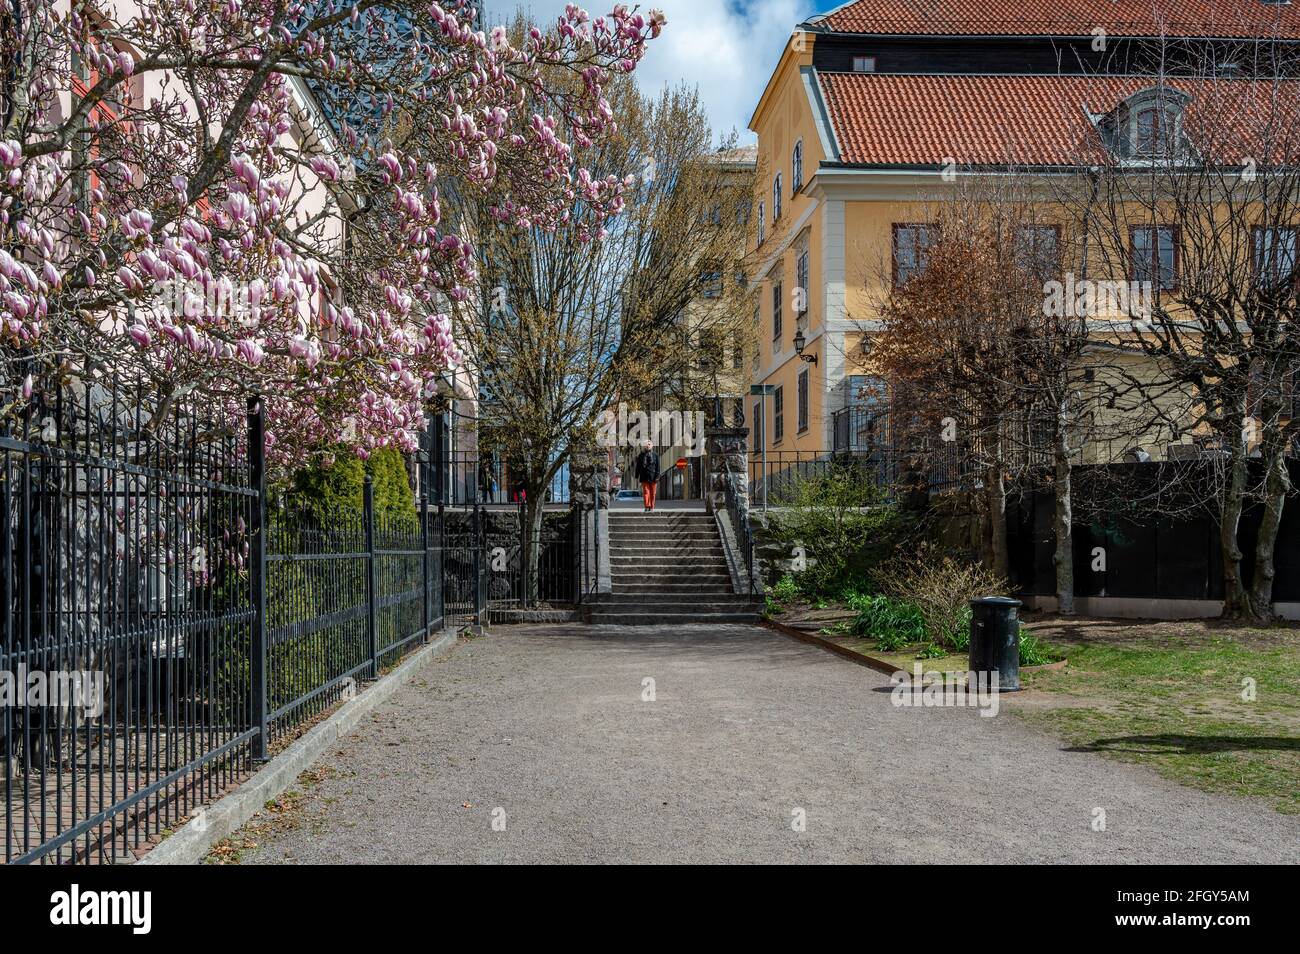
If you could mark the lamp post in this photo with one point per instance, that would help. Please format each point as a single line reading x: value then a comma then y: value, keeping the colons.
x: 801, y: 342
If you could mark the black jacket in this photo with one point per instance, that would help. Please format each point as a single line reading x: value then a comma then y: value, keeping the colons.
x: 647, y: 467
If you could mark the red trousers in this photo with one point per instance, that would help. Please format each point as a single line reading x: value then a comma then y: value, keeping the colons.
x: 648, y: 489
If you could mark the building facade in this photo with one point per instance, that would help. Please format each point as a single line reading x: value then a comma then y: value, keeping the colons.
x: 873, y: 113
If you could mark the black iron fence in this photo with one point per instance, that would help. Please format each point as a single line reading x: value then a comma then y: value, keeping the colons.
x: 1137, y: 535
x: 130, y: 618
x: 491, y: 479
x: 166, y: 624
x: 347, y: 593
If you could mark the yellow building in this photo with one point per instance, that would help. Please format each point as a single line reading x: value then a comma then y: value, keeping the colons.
x: 876, y: 110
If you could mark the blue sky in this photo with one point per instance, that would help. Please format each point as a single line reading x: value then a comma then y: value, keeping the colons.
x: 726, y: 47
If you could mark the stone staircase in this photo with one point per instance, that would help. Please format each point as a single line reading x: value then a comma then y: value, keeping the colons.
x: 669, y: 568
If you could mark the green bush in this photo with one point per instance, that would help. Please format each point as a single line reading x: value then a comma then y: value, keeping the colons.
x: 842, y: 526
x: 893, y: 623
x: 339, y: 485
x: 941, y: 588
x: 1034, y: 652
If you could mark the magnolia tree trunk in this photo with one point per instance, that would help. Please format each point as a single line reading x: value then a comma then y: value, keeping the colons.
x: 1064, y: 521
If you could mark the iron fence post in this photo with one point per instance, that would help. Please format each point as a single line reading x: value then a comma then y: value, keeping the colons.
x: 476, y: 528
x: 368, y: 519
x: 423, y: 470
x: 442, y: 564
x: 257, y: 576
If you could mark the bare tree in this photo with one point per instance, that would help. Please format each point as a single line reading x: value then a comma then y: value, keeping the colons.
x: 567, y: 318
x: 986, y: 370
x: 1196, y: 178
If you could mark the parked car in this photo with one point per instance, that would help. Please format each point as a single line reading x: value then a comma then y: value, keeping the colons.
x: 628, y: 498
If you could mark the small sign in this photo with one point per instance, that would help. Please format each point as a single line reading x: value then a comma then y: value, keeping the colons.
x: 681, y: 463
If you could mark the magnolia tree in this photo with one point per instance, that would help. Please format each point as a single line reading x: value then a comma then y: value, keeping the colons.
x: 175, y: 176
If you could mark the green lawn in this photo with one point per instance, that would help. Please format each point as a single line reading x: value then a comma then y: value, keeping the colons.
x: 1173, y: 696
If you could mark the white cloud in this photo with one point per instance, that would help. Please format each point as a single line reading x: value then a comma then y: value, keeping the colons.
x: 725, y: 48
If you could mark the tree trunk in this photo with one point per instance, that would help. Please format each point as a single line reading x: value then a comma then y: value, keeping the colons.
x: 1234, y: 593
x: 1277, y: 484
x: 995, y: 496
x: 1064, y: 520
x: 534, y: 512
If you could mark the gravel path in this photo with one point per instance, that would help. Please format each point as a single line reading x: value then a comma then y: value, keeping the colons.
x: 547, y: 723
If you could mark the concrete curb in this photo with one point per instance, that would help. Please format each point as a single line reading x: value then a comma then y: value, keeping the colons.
x: 190, y: 843
x: 862, y: 659
x: 806, y: 637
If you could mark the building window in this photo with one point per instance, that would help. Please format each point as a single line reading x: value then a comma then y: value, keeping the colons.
x: 801, y: 283
x: 1038, y: 250
x: 777, y: 294
x: 1153, y: 131
x: 762, y: 224
x: 738, y: 355
x: 711, y: 284
x: 758, y: 422
x: 796, y: 168
x: 776, y: 199
x: 864, y: 64
x: 1155, y: 256
x: 1274, y: 254
x: 802, y: 406
x: 778, y: 414
x: 911, y: 243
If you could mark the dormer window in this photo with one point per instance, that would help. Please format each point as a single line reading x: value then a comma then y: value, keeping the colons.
x: 864, y: 64
x: 1146, y: 126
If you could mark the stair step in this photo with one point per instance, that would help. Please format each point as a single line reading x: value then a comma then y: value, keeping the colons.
x: 653, y: 521
x: 713, y: 550
x: 692, y: 588
x: 664, y: 575
x: 668, y: 562
x: 673, y: 619
x: 658, y: 607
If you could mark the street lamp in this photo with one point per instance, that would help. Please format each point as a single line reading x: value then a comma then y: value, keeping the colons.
x: 800, y: 342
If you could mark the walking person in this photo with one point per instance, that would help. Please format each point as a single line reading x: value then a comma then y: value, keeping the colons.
x: 647, y: 471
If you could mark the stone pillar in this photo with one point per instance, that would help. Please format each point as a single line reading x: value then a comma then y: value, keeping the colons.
x: 727, y: 450
x: 588, y: 475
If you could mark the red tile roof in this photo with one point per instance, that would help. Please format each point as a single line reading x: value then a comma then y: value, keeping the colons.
x: 908, y: 119
x: 1222, y: 18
